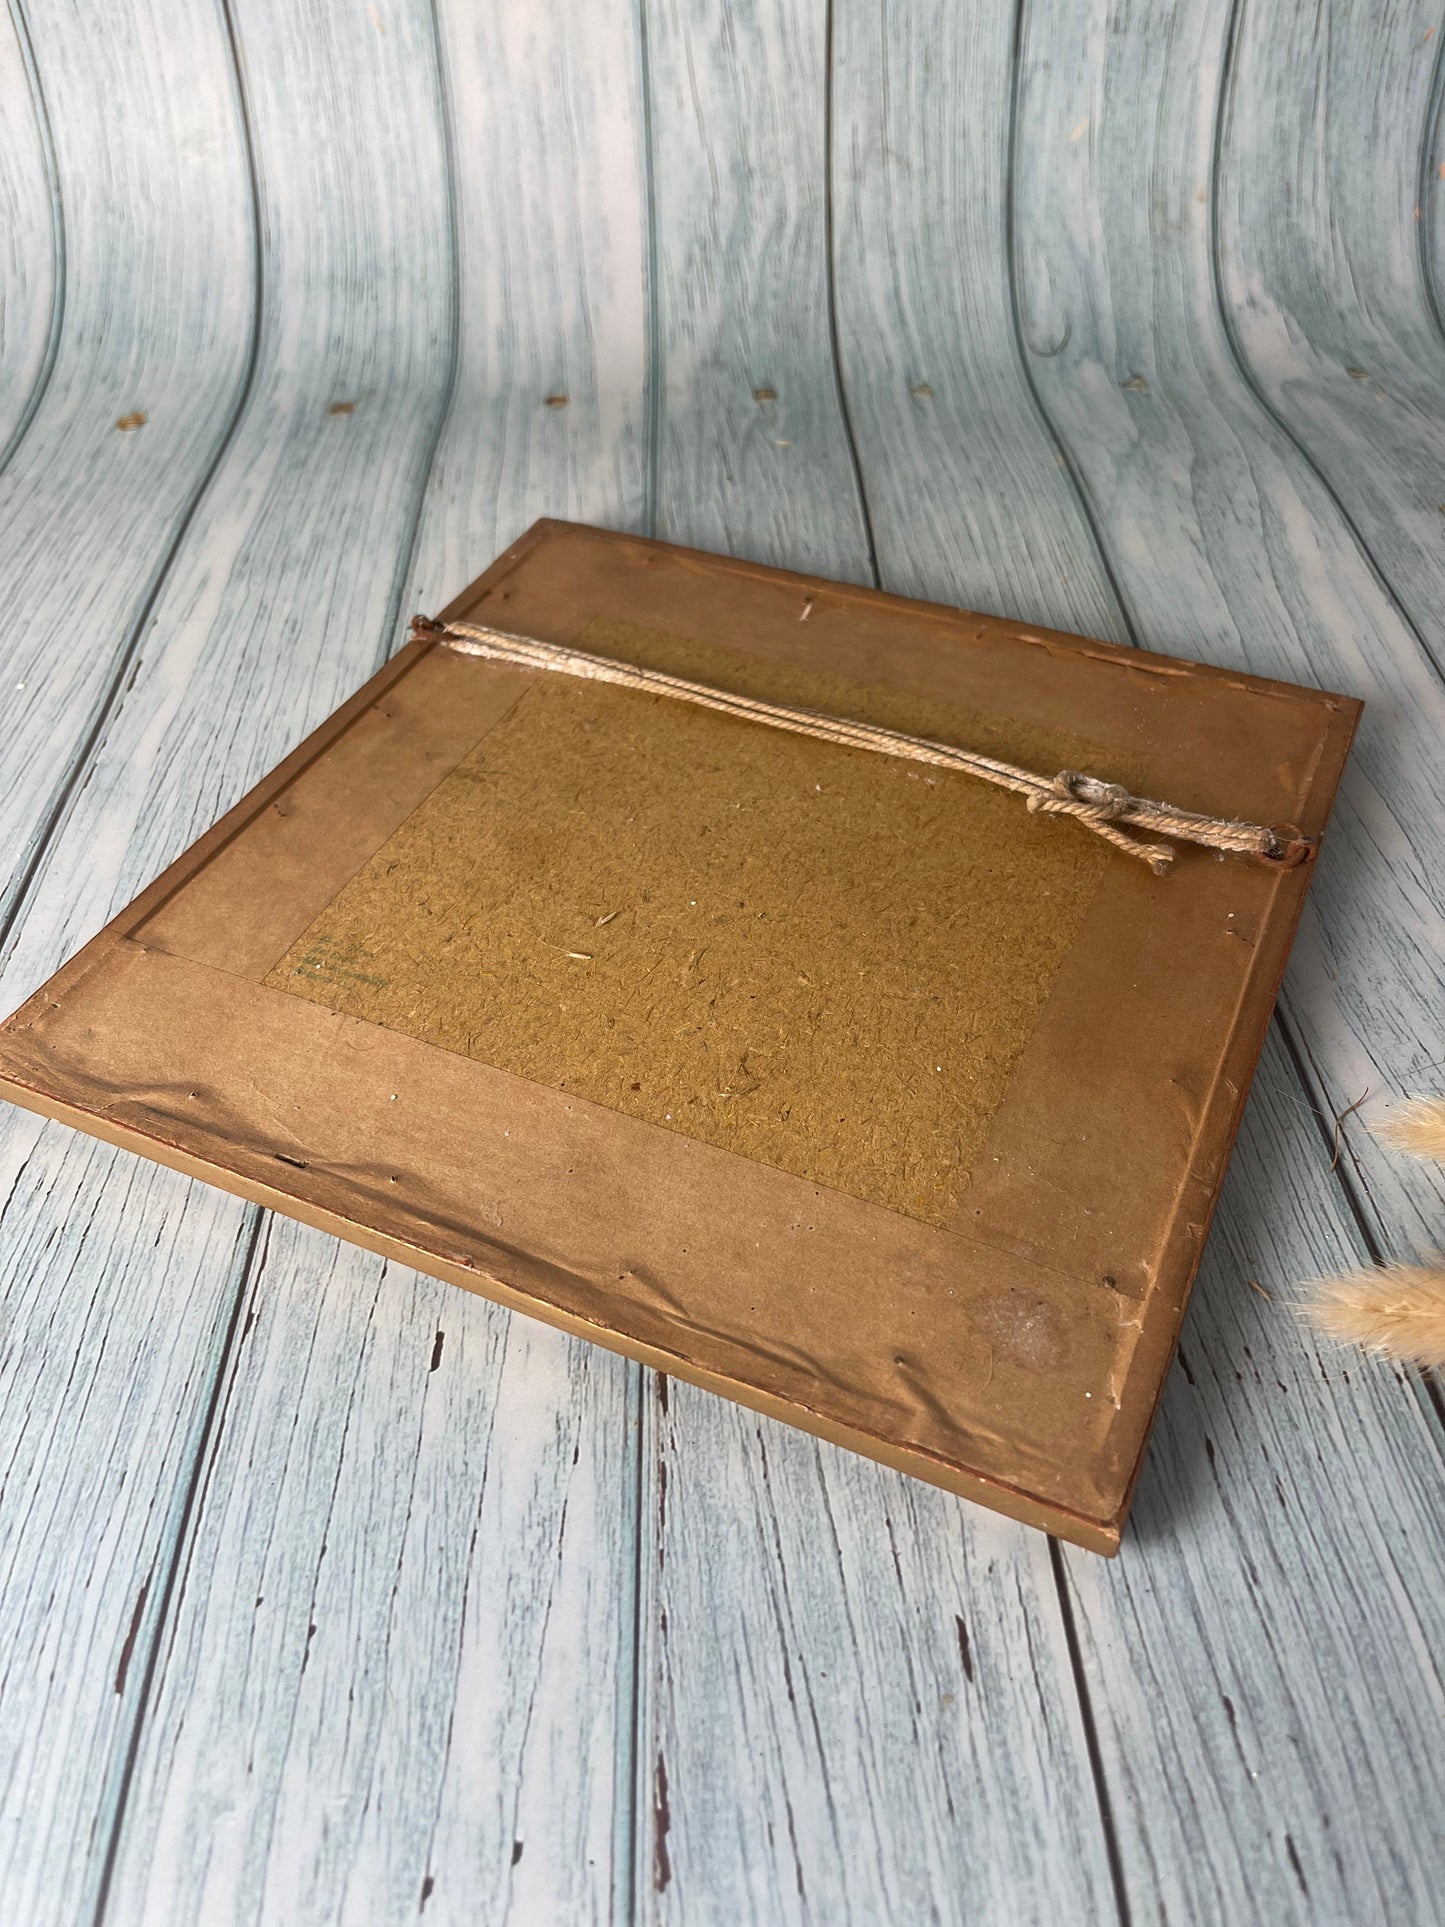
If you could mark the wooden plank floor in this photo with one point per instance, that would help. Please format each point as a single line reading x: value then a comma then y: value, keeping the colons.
x: 328, y: 1594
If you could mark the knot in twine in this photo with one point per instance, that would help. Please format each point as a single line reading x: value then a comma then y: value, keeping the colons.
x: 1108, y: 809
x: 1098, y: 801
x: 1092, y: 801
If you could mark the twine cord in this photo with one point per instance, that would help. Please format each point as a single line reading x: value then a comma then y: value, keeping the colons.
x: 1108, y: 809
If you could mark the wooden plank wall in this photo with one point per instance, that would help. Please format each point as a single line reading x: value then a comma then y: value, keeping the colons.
x: 328, y: 1594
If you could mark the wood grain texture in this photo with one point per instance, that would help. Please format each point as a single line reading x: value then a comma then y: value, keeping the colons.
x: 1263, y: 1662
x: 216, y: 690
x: 394, y: 1668
x: 106, y: 1378
x: 31, y: 238
x: 1324, y: 254
x: 156, y: 324
x: 753, y: 447
x: 1320, y: 227
x: 861, y: 1705
x: 802, y: 1679
x: 117, y: 1280
x: 1431, y: 227
x: 970, y: 494
x: 548, y: 415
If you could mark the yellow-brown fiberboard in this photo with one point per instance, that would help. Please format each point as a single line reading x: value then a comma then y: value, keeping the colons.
x: 813, y: 956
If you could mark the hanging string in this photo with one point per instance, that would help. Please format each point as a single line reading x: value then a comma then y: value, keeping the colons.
x: 1108, y: 809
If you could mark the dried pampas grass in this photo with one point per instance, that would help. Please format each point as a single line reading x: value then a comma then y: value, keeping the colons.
x: 1418, y: 1128
x: 1397, y: 1312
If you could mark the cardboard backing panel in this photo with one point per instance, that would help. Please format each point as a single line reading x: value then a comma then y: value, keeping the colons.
x: 818, y: 958
x: 869, y: 1100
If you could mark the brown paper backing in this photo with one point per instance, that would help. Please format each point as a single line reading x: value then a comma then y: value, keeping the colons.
x: 998, y: 1319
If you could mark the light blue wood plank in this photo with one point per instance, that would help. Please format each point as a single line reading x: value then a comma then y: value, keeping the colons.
x: 303, y: 535
x: 1320, y: 225
x: 970, y: 493
x: 157, y: 322
x: 395, y: 1670
x: 104, y: 1375
x: 754, y: 455
x: 549, y: 414
x: 862, y: 1706
x: 116, y: 1280
x: 1264, y: 1658
x: 1276, y: 1474
x: 857, y: 1696
x: 31, y: 238
x: 461, y: 1539
x: 1432, y: 189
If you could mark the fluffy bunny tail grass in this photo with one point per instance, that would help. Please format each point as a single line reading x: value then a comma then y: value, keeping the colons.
x: 1418, y: 1127
x: 1397, y: 1312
